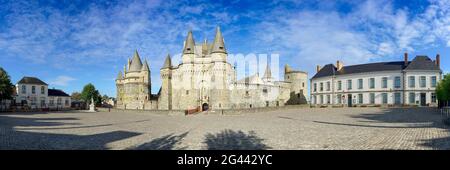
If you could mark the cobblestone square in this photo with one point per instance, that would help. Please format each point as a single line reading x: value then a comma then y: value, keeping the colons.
x: 299, y: 128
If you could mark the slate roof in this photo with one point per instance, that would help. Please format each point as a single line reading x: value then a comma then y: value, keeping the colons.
x: 422, y: 63
x: 57, y: 92
x: 418, y: 63
x: 31, y: 80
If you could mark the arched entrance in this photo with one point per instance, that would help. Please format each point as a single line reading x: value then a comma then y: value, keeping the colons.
x: 205, y: 106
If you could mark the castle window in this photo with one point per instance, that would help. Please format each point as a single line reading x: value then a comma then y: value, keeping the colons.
x: 246, y: 93
x: 303, y: 84
x: 187, y: 92
x: 264, y: 90
x: 221, y: 48
x: 188, y: 49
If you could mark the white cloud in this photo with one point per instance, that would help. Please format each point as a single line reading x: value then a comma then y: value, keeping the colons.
x: 62, y: 81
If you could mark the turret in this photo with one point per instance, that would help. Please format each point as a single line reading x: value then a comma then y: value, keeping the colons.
x: 218, y: 50
x: 188, y: 49
x: 167, y: 62
x: 119, y: 76
x: 165, y: 98
x: 218, y: 44
x: 136, y: 64
x: 267, y: 74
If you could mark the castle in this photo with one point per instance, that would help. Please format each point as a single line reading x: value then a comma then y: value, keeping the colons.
x: 205, y: 79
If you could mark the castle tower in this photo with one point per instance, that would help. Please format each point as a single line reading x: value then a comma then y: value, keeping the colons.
x: 298, y: 85
x: 218, y: 50
x: 146, y: 78
x: 165, y: 96
x: 188, y: 49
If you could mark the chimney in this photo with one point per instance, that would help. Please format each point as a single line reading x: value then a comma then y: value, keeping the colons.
x: 318, y: 68
x: 339, y: 65
x: 438, y: 60
x: 406, y: 58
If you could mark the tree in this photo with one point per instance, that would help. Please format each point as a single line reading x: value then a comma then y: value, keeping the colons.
x: 443, y: 91
x: 76, y: 96
x: 90, y: 92
x: 6, y: 87
x: 105, y: 98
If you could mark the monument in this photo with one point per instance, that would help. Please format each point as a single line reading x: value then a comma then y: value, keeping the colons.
x: 92, y: 105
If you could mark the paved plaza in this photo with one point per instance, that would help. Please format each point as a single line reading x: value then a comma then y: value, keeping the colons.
x: 299, y: 128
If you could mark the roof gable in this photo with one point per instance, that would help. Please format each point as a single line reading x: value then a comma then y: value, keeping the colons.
x: 31, y: 80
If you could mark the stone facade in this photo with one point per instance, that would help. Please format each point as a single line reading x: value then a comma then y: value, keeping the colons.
x: 205, y: 79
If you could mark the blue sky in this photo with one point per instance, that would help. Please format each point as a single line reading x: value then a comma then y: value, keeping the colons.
x: 70, y: 43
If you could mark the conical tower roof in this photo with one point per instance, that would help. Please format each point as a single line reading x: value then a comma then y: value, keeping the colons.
x: 287, y: 68
x: 268, y: 72
x: 167, y: 62
x: 145, y: 66
x: 218, y: 44
x: 119, y: 76
x: 136, y: 63
x: 189, y: 44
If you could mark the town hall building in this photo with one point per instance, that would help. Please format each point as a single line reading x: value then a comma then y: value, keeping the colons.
x: 396, y: 83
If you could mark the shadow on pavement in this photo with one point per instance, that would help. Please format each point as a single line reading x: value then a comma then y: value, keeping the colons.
x: 234, y: 140
x: 167, y: 142
x: 11, y: 138
x: 403, y: 115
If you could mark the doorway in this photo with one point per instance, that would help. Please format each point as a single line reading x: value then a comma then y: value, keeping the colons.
x: 423, y: 99
x: 349, y: 100
x: 205, y: 106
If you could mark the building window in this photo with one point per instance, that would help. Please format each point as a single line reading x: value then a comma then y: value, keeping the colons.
x: 384, y: 82
x: 321, y: 86
x: 321, y: 99
x: 384, y: 98
x: 33, y: 101
x: 339, y: 100
x: 412, y: 98
x: 42, y: 101
x: 24, y: 89
x: 360, y: 98
x: 51, y: 102
x: 433, y: 81
x: 58, y: 101
x: 433, y: 97
x: 423, y: 81
x: 303, y: 84
x: 328, y: 86
x: 397, y: 98
x: 246, y: 93
x: 372, y: 98
x: 33, y: 89
x: 315, y: 87
x: 328, y: 99
x: 349, y: 84
x: 67, y: 102
x: 187, y: 92
x: 412, y: 81
x: 360, y: 83
x: 339, y: 85
x: 397, y: 82
x: 372, y: 83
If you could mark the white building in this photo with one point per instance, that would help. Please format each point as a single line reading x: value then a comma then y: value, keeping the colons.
x: 385, y: 83
x: 34, y: 93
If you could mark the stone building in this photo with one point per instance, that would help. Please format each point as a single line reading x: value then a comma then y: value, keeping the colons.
x: 205, y: 79
x: 385, y: 83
